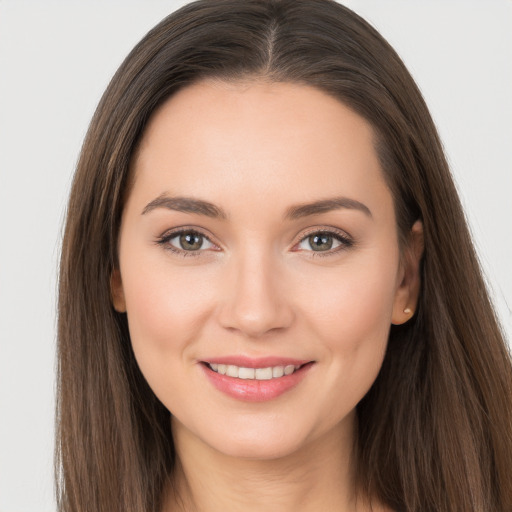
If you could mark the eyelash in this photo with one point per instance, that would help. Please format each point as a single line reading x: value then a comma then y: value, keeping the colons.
x: 167, y: 237
x: 345, y: 242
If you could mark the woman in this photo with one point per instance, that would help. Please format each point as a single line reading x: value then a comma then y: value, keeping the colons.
x: 269, y: 298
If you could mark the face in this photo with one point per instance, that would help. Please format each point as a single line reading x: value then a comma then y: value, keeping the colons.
x: 259, y: 265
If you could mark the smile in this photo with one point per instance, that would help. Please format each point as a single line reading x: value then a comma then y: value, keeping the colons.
x: 255, y: 380
x: 240, y: 372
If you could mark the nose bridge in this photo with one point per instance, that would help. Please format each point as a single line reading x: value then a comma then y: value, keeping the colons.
x: 255, y: 301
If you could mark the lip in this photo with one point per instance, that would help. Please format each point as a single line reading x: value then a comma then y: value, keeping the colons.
x: 252, y: 390
x: 256, y: 362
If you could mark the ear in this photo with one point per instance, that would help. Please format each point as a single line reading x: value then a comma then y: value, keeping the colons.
x: 117, y: 292
x: 407, y: 293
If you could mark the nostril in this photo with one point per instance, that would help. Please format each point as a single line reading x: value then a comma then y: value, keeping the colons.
x: 255, y: 320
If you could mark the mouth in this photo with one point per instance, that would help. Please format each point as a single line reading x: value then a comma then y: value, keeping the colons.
x: 256, y: 380
x: 244, y: 373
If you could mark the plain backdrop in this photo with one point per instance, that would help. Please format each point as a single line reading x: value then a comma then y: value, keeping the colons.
x: 56, y: 58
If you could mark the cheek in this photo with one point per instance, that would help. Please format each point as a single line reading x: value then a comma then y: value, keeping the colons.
x: 352, y: 318
x: 166, y: 309
x: 357, y: 303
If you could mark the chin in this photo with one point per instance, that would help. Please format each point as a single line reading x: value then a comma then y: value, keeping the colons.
x: 257, y: 442
x: 259, y: 449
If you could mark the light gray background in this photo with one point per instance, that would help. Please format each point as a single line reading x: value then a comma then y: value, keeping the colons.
x: 56, y: 58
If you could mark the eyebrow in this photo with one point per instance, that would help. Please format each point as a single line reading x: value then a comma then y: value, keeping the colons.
x: 187, y: 205
x: 201, y: 207
x: 326, y: 205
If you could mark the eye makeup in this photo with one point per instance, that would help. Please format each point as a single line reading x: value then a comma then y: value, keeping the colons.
x: 188, y: 241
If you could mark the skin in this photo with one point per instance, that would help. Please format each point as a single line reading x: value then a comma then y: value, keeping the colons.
x: 258, y: 287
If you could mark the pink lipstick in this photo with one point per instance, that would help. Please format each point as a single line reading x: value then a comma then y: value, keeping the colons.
x: 255, y: 380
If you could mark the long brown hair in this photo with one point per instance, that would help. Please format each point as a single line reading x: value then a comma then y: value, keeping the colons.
x: 435, y: 430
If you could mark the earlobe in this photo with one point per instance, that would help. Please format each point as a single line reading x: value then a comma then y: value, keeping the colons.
x: 407, y: 293
x: 117, y: 292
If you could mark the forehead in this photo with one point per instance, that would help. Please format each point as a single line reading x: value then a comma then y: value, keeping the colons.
x: 222, y: 140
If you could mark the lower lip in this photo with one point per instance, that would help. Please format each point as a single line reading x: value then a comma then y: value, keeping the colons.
x: 252, y: 390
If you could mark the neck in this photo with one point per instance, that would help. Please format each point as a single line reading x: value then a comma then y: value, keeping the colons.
x: 308, y: 480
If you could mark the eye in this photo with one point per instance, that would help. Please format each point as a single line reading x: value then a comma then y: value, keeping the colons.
x: 186, y: 241
x: 324, y: 241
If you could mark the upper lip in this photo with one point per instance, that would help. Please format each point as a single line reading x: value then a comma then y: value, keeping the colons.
x: 256, y: 362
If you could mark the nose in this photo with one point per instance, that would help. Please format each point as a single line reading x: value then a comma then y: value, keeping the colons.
x: 255, y: 299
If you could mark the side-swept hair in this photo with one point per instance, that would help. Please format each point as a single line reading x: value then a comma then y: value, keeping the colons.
x: 435, y: 430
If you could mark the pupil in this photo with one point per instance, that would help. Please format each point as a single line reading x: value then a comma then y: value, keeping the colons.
x: 320, y: 242
x: 191, y: 241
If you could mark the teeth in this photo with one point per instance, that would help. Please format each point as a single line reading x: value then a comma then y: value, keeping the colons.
x: 232, y: 371
x: 271, y: 372
x: 246, y: 373
x: 278, y: 371
x: 288, y: 370
x: 263, y: 373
